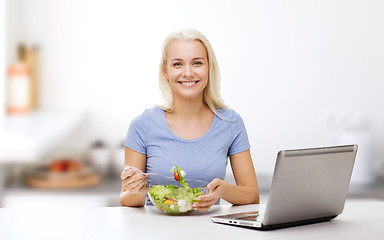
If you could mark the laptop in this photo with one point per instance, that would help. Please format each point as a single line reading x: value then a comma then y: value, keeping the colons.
x: 308, y: 186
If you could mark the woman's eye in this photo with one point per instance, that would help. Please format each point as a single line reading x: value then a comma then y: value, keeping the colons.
x: 197, y: 63
x: 177, y: 64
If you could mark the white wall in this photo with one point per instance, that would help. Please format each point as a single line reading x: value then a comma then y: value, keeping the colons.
x: 287, y: 66
x: 2, y: 60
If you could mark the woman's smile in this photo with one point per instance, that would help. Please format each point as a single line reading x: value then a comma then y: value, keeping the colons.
x: 188, y: 84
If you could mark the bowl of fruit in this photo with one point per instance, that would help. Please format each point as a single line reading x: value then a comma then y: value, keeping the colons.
x: 175, y: 196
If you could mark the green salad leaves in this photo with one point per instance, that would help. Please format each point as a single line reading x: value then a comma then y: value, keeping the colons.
x: 173, y: 199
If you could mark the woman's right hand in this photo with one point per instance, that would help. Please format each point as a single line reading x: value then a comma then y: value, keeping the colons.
x: 133, y: 180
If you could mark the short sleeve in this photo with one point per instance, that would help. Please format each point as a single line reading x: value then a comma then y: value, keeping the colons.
x: 136, y: 134
x: 240, y: 137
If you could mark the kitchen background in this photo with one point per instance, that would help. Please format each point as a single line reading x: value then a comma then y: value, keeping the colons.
x: 301, y: 73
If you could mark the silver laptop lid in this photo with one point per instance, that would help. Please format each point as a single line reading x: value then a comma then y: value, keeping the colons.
x: 309, y: 183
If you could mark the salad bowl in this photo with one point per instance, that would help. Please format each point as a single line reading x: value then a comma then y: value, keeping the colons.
x: 172, y: 198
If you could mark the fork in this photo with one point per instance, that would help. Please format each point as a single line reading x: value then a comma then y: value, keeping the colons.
x: 159, y: 174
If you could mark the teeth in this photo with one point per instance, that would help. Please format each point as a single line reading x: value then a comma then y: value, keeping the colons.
x: 188, y: 83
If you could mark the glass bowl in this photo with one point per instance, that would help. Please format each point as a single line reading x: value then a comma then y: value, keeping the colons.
x: 171, y: 198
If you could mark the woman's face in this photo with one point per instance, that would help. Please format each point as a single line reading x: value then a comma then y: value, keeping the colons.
x: 187, y: 68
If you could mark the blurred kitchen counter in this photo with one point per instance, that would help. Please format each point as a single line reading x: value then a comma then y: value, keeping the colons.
x: 373, y: 191
x: 105, y: 194
x: 26, y: 138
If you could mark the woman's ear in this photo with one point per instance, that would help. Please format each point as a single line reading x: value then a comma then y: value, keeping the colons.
x: 165, y: 73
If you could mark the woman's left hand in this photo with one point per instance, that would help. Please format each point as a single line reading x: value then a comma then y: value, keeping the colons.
x: 215, y: 190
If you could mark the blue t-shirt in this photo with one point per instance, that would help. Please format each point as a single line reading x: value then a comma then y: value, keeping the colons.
x: 204, y: 158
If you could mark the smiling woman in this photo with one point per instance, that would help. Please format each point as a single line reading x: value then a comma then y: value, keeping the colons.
x: 186, y: 69
x: 204, y: 63
x: 194, y: 130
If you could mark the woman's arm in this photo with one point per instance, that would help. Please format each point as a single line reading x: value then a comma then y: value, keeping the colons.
x: 246, y: 190
x: 133, y: 190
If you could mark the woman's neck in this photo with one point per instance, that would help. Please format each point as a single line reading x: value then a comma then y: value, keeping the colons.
x: 188, y: 108
x: 189, y: 119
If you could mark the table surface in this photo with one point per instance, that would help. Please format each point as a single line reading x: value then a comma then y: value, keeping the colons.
x: 360, y: 219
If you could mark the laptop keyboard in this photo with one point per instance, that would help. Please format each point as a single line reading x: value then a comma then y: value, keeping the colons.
x: 259, y: 217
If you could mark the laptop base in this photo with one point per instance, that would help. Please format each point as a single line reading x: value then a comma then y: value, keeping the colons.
x: 283, y: 225
x: 297, y: 223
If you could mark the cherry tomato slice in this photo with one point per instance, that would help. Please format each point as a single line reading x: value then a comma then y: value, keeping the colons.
x: 176, y: 176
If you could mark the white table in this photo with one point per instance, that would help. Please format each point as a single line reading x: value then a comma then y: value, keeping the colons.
x: 360, y: 220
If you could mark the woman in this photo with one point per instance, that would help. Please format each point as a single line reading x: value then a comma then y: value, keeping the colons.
x: 193, y: 130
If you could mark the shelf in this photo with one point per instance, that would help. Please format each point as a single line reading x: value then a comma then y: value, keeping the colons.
x: 25, y: 138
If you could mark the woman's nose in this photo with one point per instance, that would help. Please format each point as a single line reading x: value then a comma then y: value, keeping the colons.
x: 188, y: 71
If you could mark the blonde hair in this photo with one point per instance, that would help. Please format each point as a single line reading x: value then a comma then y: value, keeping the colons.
x: 211, y: 94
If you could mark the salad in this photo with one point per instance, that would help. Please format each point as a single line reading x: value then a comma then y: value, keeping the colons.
x: 172, y: 199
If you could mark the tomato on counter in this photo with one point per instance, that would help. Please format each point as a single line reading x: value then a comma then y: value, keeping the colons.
x: 65, y: 165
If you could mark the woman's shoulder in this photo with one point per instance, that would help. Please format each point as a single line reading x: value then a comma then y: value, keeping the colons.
x: 147, y: 115
x: 228, y: 114
x: 150, y: 113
